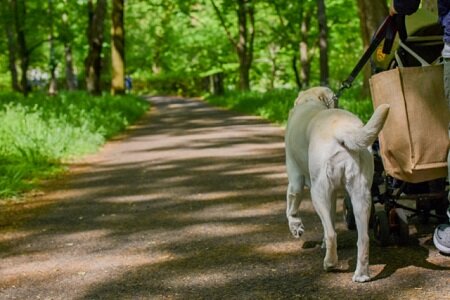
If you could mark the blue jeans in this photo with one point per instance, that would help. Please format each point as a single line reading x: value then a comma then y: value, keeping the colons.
x: 447, y: 95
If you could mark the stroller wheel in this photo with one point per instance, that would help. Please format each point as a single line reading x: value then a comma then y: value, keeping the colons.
x: 402, y: 232
x: 423, y: 207
x: 441, y: 209
x: 381, y: 228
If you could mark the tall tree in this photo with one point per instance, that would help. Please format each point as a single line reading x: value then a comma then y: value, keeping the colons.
x: 67, y: 37
x: 52, y: 63
x: 305, y: 57
x: 371, y: 14
x: 295, y: 21
x: 19, y: 12
x: 118, y: 48
x: 95, y: 35
x: 244, y: 43
x: 323, y: 42
x: 8, y: 21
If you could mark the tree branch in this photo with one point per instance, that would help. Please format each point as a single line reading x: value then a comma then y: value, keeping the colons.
x: 35, y: 46
x: 222, y: 22
x: 288, y: 31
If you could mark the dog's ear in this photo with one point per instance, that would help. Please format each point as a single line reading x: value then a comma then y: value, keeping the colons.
x: 326, y: 95
x: 323, y: 94
x: 299, y: 97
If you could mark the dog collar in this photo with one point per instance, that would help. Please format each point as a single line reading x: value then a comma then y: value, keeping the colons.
x: 331, y: 103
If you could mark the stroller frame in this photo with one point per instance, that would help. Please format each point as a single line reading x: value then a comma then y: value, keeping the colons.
x: 391, y: 224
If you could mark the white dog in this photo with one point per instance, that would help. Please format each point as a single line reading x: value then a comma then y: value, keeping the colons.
x: 327, y: 149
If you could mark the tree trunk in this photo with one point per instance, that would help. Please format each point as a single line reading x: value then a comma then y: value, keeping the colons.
x: 93, y: 62
x: 8, y: 21
x: 296, y: 74
x: 273, y: 54
x: 19, y: 11
x: 118, y: 48
x: 323, y: 42
x: 371, y: 15
x: 71, y: 79
x: 52, y: 89
x: 244, y: 45
x: 305, y: 58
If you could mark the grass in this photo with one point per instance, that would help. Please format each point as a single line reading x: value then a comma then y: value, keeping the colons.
x: 275, y: 105
x: 39, y: 134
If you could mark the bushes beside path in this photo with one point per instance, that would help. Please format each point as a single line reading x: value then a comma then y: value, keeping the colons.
x: 274, y: 105
x: 38, y: 134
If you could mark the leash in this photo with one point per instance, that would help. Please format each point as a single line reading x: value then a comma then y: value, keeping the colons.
x: 386, y: 30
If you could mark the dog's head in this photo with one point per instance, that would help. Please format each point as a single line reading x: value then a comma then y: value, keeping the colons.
x: 321, y: 94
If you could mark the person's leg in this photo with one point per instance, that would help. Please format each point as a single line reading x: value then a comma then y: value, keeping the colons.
x: 441, y: 237
x: 447, y: 79
x: 447, y: 95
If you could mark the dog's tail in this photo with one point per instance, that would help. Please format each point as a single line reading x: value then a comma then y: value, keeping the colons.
x: 363, y: 137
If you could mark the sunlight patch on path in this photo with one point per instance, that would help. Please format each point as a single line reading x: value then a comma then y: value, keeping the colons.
x: 286, y: 247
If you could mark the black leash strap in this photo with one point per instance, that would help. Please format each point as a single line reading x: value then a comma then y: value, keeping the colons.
x: 387, y: 30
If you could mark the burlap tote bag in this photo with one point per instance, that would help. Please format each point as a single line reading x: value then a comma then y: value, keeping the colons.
x: 414, y: 140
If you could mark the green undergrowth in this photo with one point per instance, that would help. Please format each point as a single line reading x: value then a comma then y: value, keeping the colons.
x: 39, y: 134
x: 275, y: 105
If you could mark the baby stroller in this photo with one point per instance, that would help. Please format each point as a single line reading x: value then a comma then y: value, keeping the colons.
x: 398, y: 201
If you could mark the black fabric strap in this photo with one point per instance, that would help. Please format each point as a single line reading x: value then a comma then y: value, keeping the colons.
x: 376, y: 40
x: 387, y: 31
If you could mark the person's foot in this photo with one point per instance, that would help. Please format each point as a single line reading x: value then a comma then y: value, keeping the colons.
x: 441, y: 238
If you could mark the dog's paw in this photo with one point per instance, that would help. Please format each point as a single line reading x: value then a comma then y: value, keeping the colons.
x: 362, y: 272
x: 330, y: 265
x: 296, y: 228
x: 330, y: 261
x: 360, y: 278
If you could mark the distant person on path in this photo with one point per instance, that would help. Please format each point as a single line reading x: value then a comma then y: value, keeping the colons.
x: 128, y: 83
x: 441, y: 237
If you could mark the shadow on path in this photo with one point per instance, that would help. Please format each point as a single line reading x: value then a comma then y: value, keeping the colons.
x: 190, y: 205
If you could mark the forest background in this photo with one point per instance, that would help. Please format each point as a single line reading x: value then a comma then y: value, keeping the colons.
x: 79, y: 65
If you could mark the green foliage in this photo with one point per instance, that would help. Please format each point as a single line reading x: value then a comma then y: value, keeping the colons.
x: 171, y: 48
x: 179, y: 83
x: 274, y: 105
x: 39, y: 133
x: 184, y: 39
x: 170, y: 44
x: 352, y: 101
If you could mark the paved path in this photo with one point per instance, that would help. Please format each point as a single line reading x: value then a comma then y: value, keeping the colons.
x: 190, y: 205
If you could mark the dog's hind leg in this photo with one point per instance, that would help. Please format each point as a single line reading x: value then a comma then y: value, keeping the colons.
x: 293, y: 200
x: 361, y: 202
x: 322, y: 199
x: 332, y: 214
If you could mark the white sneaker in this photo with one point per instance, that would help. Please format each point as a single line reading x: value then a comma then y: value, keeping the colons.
x: 446, y: 50
x: 441, y: 238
